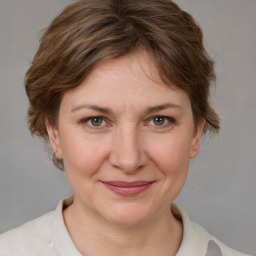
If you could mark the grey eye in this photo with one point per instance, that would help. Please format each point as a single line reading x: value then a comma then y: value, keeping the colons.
x: 96, y: 121
x: 159, y: 120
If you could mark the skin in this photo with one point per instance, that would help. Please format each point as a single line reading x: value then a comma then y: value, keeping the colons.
x: 143, y: 131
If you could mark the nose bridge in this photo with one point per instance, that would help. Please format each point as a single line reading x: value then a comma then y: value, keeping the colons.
x: 127, y: 152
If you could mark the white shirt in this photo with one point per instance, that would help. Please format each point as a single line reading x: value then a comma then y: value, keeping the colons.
x: 48, y: 235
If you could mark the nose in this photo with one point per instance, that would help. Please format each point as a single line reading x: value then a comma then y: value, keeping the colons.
x: 127, y: 153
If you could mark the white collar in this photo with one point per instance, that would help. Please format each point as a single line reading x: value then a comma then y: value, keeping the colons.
x: 194, y: 242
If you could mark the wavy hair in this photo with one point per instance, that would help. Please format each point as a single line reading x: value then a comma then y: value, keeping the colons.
x: 88, y: 32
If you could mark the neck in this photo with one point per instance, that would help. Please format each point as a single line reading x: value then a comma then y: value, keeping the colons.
x: 93, y: 235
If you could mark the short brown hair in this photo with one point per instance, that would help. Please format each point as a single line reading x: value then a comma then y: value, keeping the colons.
x: 89, y: 32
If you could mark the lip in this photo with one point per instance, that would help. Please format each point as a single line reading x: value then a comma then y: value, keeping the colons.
x: 127, y: 188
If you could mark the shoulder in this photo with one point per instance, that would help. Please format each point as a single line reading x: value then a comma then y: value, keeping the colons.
x: 198, y: 242
x: 214, y: 247
x: 30, y: 237
x: 46, y: 235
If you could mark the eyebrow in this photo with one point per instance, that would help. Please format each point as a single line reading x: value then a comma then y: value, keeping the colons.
x: 93, y: 107
x: 106, y: 110
x: 162, y: 107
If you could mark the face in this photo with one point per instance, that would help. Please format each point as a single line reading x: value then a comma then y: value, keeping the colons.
x: 126, y: 140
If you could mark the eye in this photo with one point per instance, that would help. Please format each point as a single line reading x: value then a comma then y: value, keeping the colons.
x: 161, y: 121
x: 95, y: 121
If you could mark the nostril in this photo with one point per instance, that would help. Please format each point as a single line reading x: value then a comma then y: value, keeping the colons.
x: 127, y: 154
x: 128, y: 162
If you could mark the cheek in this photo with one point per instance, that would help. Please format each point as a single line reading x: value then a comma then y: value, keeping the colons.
x: 171, y: 156
x: 171, y: 153
x: 83, y: 155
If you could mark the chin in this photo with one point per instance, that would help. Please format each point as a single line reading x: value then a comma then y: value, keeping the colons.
x: 128, y: 214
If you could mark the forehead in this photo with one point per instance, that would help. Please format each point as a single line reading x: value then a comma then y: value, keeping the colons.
x: 132, y: 78
x: 139, y: 65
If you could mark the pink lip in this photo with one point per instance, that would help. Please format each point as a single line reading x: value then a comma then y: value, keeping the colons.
x: 128, y: 188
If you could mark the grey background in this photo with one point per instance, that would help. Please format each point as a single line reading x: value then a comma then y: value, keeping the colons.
x: 220, y: 191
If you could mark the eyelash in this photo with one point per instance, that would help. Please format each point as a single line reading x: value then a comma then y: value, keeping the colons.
x: 87, y: 120
x: 169, y: 120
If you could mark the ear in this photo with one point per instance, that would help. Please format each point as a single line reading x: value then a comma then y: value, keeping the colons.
x: 195, y: 145
x: 54, y: 138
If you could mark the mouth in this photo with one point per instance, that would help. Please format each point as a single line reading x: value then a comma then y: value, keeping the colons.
x: 127, y: 188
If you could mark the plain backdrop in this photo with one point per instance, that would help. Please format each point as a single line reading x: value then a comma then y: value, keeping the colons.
x: 220, y: 191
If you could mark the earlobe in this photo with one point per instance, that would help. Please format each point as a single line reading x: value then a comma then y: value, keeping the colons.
x: 195, y: 145
x: 53, y: 135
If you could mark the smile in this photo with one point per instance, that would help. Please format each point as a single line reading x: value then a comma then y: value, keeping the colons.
x: 127, y: 188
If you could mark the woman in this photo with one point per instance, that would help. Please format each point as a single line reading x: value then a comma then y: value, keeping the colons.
x: 120, y: 90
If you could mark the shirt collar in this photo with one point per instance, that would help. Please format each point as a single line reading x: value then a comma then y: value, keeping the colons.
x: 61, y: 238
x: 194, y: 241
